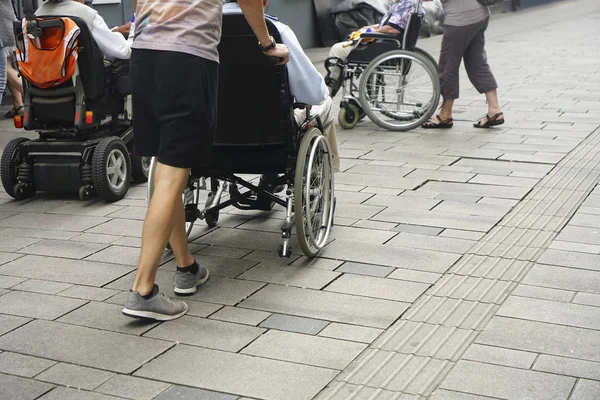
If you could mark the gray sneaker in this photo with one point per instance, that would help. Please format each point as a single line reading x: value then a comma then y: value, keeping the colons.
x: 186, y: 282
x: 159, y: 307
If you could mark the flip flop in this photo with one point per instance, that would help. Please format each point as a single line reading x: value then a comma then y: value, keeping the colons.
x: 443, y: 124
x: 491, y: 121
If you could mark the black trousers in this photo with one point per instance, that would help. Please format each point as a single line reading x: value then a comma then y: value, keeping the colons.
x: 465, y: 43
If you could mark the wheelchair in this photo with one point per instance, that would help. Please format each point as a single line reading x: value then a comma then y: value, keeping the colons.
x: 262, y: 137
x: 398, y: 83
x: 84, y: 125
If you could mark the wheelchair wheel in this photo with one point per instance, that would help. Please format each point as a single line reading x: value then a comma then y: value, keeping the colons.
x: 140, y: 168
x: 189, y: 196
x: 400, y: 90
x: 432, y: 60
x: 349, y: 116
x: 313, y: 193
x: 9, y: 166
x: 111, y: 169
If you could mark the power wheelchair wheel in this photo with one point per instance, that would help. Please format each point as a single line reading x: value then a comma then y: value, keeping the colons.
x: 9, y: 170
x: 349, y: 116
x: 111, y: 169
x: 313, y: 193
x: 189, y: 196
x: 400, y: 90
x: 140, y: 168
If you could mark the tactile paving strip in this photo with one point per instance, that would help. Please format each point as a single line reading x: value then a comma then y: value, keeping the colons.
x: 414, y: 355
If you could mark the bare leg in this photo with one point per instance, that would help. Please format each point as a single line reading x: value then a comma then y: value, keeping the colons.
x: 159, y: 223
x: 493, y: 105
x: 15, y: 85
x: 178, y: 238
x: 446, y: 110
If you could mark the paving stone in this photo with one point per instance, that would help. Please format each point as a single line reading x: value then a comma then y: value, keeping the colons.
x: 291, y: 323
x: 290, y: 275
x: 365, y: 269
x: 575, y: 247
x: 238, y: 374
x: 474, y: 208
x: 551, y: 311
x: 474, y: 289
x: 410, y: 158
x: 177, y: 392
x: 75, y: 376
x: 568, y: 366
x: 74, y: 223
x: 215, y: 334
x: 383, y: 226
x: 586, y: 390
x: 133, y: 388
x: 225, y: 252
x: 500, y: 356
x: 580, y: 235
x: 508, y: 181
x: 39, y: 233
x: 119, y: 227
x: 111, y: 351
x: 398, y: 257
x: 37, y: 305
x: 88, y: 293
x: 386, y: 181
x: 326, y: 305
x: 38, y: 286
x: 10, y: 322
x: 418, y: 229
x: 63, y: 393
x: 7, y: 282
x: 426, y: 242
x: 138, y: 213
x: 414, y: 276
x: 460, y: 234
x: 14, y: 387
x: 264, y: 256
x: 118, y: 255
x: 99, y: 209
x: 362, y: 235
x: 542, y: 337
x: 26, y: 366
x: 95, y: 238
x: 445, y: 176
x: 305, y: 349
x: 389, y: 289
x: 342, y: 391
x: 352, y: 333
x: 451, y: 312
x: 403, y: 202
x: 240, y: 316
x: 64, y: 270
x: 355, y: 212
x: 577, y: 280
x: 571, y: 259
x: 14, y: 243
x: 107, y: 317
x: 537, y: 292
x: 437, y: 219
x: 225, y: 267
x: 516, y: 193
x: 7, y: 257
x: 587, y: 298
x: 504, y: 382
x: 443, y: 394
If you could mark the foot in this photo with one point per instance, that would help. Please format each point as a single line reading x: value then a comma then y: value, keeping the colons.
x: 15, y: 111
x: 439, y: 122
x: 158, y: 306
x: 267, y: 180
x: 491, y: 119
x: 187, y: 279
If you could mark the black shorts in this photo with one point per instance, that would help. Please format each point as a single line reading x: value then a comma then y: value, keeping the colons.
x: 174, y: 99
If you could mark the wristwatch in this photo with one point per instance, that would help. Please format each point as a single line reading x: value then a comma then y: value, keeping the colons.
x: 271, y: 46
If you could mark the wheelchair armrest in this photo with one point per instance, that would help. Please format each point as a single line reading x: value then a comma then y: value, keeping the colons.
x: 300, y: 105
x: 383, y: 36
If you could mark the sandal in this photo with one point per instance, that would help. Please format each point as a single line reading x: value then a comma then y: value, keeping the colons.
x: 442, y: 124
x: 14, y: 111
x: 491, y: 121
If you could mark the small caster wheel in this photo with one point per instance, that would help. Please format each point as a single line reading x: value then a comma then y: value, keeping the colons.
x: 212, y: 218
x: 288, y: 253
x: 23, y: 191
x: 361, y: 113
x: 349, y: 116
x: 86, y: 192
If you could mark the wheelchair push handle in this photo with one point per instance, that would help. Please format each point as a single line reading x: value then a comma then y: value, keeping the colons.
x: 274, y: 60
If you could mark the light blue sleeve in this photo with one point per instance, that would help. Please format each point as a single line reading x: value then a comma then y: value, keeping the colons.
x: 306, y: 83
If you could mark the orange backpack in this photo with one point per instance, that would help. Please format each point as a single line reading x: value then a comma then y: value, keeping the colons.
x: 49, y: 60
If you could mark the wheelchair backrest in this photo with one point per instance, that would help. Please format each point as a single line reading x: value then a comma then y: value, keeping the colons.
x: 90, y: 60
x: 254, y: 103
x: 411, y: 33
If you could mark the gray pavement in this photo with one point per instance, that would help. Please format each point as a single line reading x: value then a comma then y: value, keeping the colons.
x: 465, y: 264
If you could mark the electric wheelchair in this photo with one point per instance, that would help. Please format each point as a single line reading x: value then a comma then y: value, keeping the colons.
x: 85, y: 129
x: 398, y: 83
x: 257, y: 134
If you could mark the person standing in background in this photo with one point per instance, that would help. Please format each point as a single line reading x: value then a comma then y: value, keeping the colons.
x: 464, y: 39
x: 7, y: 39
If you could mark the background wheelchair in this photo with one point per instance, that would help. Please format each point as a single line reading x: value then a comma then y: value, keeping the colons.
x: 85, y: 129
x: 262, y: 137
x: 398, y: 83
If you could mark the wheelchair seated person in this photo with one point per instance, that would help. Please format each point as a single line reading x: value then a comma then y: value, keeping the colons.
x: 393, y: 23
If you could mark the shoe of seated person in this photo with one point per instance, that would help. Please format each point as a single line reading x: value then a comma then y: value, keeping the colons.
x: 186, y: 280
x: 271, y: 187
x: 158, y: 307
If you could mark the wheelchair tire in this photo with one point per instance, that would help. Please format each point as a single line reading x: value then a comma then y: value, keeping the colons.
x: 433, y: 61
x: 401, y: 120
x: 313, y: 204
x: 140, y: 168
x: 349, y: 116
x: 9, y: 164
x: 111, y: 169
